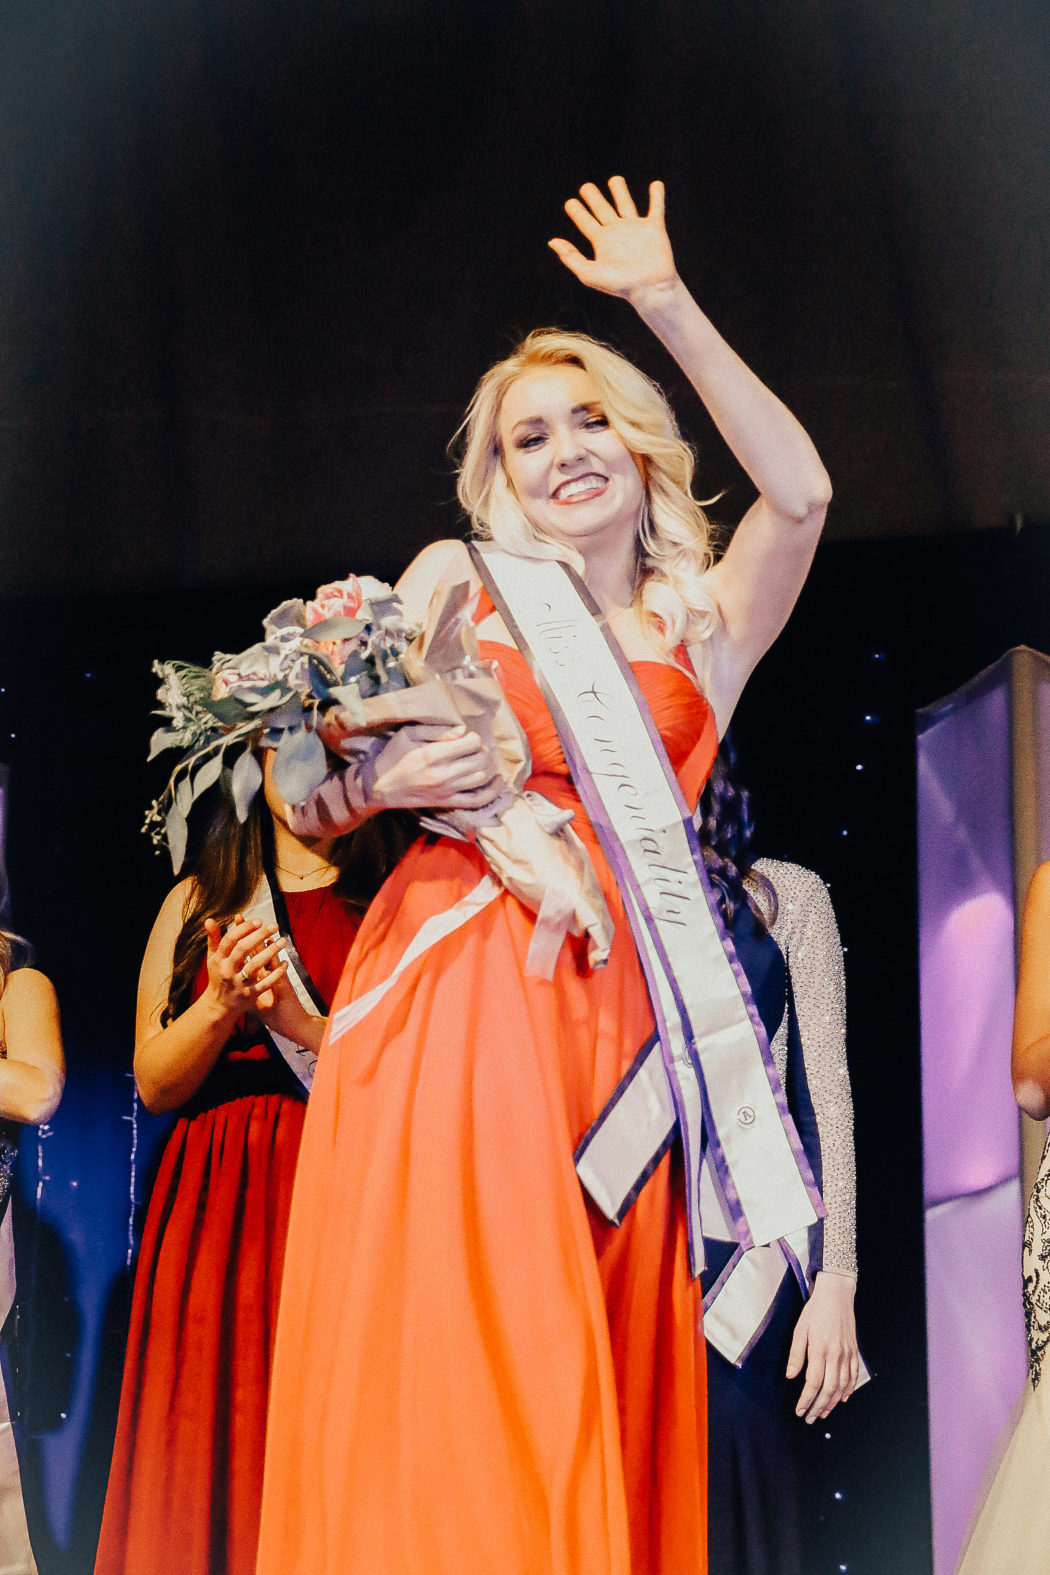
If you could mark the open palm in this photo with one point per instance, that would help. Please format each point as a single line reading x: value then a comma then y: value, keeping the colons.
x: 632, y: 253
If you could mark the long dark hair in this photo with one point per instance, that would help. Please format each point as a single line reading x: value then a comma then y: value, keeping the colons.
x: 15, y: 950
x: 726, y: 830
x: 229, y: 861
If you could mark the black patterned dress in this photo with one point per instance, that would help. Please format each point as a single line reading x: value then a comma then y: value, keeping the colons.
x: 1010, y: 1532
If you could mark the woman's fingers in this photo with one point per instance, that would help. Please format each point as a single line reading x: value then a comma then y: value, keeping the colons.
x: 656, y: 201
x: 827, y: 1383
x: 260, y: 959
x: 622, y: 197
x: 599, y: 203
x: 236, y: 934
x: 255, y: 943
x: 475, y: 798
x: 811, y: 1388
x: 261, y: 982
x: 797, y: 1354
x: 584, y: 220
x: 572, y: 257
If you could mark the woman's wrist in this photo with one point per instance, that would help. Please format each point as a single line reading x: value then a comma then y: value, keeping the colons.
x: 841, y: 1277
x: 216, y: 1013
x: 660, y: 303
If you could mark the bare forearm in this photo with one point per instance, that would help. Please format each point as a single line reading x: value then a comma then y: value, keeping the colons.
x: 771, y: 445
x: 171, y: 1065
x: 29, y: 1094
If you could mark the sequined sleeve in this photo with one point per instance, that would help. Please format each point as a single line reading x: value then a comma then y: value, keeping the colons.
x: 807, y: 934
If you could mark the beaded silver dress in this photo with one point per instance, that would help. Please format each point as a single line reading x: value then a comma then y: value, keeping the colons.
x: 806, y: 932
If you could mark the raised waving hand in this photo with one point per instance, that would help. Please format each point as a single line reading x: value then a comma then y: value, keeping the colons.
x: 632, y: 253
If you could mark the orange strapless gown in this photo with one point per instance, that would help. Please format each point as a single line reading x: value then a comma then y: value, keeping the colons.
x: 474, y: 1374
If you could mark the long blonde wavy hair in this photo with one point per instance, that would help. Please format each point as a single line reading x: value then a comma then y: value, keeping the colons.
x: 674, y: 542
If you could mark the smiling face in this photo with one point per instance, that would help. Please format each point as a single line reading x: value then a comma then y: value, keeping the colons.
x: 572, y: 473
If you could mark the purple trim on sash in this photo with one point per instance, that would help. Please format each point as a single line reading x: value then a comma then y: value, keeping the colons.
x: 766, y: 1317
x: 759, y: 1332
x: 796, y: 1268
x: 727, y: 1270
x: 606, y: 1111
x: 614, y: 1098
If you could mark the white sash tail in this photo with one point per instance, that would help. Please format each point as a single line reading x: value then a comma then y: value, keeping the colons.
x: 268, y: 905
x: 708, y: 1075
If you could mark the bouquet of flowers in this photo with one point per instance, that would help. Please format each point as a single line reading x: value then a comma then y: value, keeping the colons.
x: 344, y: 645
x: 339, y: 676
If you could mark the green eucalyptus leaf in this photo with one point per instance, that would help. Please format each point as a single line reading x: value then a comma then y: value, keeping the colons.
x: 299, y: 765
x: 175, y: 831
x: 349, y: 697
x: 291, y: 716
x: 229, y: 710
x: 245, y: 783
x: 166, y: 738
x: 182, y: 796
x: 336, y: 629
x: 208, y: 773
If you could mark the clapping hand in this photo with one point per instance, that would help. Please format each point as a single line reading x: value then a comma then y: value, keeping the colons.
x: 632, y: 254
x: 243, y: 965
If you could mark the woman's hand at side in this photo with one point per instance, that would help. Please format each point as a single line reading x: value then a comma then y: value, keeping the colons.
x: 825, y: 1343
x: 33, y: 1073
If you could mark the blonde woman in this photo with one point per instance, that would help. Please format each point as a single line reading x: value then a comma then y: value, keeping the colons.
x: 474, y: 1370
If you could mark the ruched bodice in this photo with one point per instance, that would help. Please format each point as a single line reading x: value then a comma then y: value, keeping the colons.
x: 682, y: 716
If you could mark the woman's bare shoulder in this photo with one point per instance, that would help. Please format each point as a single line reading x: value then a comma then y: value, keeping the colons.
x: 441, y: 560
x: 28, y: 987
x: 1037, y: 902
x: 176, y: 904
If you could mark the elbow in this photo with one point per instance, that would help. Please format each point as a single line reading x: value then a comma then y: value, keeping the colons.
x: 1031, y: 1097
x: 153, y: 1095
x: 817, y: 501
x: 807, y: 508
x: 41, y: 1106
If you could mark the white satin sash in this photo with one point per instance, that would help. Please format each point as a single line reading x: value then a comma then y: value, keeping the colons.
x: 264, y: 906
x: 709, y: 1075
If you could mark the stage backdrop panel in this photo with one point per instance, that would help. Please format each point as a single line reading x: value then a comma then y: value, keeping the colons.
x: 983, y: 827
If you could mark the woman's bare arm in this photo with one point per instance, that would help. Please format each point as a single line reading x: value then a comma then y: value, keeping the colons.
x: 1030, y: 1056
x: 758, y: 580
x: 34, y: 1072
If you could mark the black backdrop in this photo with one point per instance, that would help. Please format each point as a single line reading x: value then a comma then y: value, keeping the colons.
x: 255, y: 254
x: 253, y: 259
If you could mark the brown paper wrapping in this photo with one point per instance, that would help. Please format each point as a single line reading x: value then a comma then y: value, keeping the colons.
x: 527, y: 842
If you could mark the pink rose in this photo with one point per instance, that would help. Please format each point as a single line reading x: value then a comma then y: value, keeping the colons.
x: 340, y: 599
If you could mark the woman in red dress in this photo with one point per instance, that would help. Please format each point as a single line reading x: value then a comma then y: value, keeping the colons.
x: 473, y: 1372
x: 186, y: 1476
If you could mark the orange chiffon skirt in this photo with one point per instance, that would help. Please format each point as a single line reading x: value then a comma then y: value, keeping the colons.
x: 473, y: 1372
